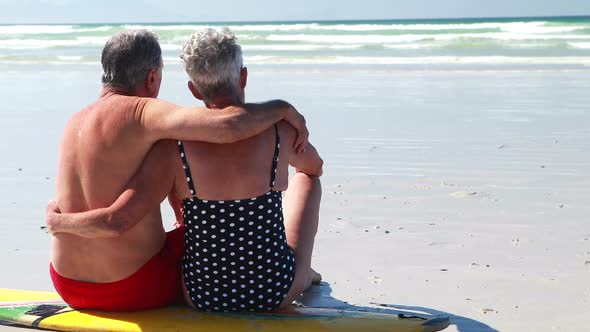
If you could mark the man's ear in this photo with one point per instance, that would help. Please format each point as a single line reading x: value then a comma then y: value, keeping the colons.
x: 153, y: 79
x: 243, y: 77
x: 194, y: 90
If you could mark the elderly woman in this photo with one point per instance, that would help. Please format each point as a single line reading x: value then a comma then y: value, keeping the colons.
x: 244, y: 249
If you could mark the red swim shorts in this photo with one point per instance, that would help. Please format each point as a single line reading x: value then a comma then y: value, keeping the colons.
x: 154, y: 285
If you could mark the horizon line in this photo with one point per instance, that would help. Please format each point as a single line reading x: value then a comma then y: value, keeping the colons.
x: 585, y: 16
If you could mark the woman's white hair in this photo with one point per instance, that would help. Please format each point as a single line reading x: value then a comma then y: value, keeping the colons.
x: 213, y: 60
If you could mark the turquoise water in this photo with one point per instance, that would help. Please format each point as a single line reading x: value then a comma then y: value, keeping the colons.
x: 481, y: 41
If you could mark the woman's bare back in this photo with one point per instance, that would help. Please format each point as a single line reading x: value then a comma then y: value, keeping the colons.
x: 237, y: 170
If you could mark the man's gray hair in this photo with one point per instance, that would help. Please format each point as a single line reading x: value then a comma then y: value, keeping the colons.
x: 128, y: 56
x: 213, y: 61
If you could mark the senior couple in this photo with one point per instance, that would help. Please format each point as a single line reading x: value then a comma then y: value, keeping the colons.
x: 238, y: 244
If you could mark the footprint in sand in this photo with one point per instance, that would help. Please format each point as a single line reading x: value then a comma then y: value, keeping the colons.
x: 488, y: 310
x: 463, y: 194
x: 375, y: 280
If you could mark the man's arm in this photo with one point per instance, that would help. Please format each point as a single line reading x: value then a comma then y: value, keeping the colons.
x: 163, y: 120
x: 146, y: 190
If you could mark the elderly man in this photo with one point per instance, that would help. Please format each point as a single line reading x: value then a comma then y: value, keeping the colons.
x: 103, y: 145
x: 213, y: 61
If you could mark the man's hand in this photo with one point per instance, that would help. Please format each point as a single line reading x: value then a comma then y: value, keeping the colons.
x: 297, y: 120
x: 58, y: 222
x: 51, y: 213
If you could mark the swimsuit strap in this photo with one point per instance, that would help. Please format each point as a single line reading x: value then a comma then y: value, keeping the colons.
x: 187, y: 169
x: 275, y: 159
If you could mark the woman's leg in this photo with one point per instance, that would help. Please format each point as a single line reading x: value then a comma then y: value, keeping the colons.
x: 301, y: 210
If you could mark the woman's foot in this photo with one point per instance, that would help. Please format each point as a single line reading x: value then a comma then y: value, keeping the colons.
x: 316, y: 278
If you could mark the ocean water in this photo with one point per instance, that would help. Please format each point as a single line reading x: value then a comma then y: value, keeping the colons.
x: 515, y: 41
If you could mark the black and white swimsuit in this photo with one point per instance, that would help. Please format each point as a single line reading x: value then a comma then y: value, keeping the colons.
x: 236, y: 256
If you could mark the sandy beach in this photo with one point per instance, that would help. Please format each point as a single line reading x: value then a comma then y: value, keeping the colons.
x: 446, y: 190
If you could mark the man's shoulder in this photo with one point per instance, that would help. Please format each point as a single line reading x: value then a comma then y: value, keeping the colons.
x: 119, y: 109
x: 115, y: 115
x: 155, y: 104
x: 122, y: 103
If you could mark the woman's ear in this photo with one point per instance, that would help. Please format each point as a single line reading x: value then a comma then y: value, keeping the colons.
x: 194, y: 90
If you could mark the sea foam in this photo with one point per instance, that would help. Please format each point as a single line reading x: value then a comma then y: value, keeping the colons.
x: 502, y: 41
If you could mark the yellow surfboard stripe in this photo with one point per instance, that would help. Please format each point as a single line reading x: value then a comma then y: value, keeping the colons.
x: 50, y: 314
x: 182, y: 319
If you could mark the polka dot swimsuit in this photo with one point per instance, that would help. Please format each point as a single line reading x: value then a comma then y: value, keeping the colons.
x: 236, y: 256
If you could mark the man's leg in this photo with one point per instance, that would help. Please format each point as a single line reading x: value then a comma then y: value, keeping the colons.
x: 301, y: 210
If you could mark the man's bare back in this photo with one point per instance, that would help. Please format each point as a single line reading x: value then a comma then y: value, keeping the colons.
x: 102, y: 147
